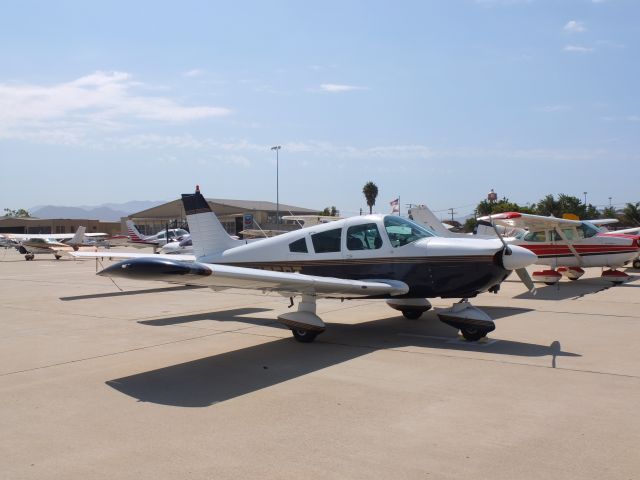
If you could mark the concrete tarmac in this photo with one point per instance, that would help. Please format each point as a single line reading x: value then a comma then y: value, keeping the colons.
x: 170, y: 382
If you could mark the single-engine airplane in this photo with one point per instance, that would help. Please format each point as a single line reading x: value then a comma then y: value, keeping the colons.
x: 566, y: 246
x: 158, y: 240
x: 373, y: 256
x: 38, y: 245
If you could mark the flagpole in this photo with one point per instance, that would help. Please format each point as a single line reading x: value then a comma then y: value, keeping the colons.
x: 399, y: 203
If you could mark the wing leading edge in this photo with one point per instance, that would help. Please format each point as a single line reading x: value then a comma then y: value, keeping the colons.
x: 225, y: 276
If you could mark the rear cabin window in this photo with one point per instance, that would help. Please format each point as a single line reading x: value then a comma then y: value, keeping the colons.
x: 325, y: 242
x: 364, y: 237
x: 299, y: 246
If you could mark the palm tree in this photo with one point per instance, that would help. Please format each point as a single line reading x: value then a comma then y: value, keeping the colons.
x: 370, y: 191
x: 631, y: 213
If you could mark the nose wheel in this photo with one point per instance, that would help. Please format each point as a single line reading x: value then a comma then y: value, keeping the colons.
x: 473, y: 334
x: 304, y: 336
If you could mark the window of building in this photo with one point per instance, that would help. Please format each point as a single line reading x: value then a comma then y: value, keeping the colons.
x: 364, y: 237
x: 299, y: 246
x: 60, y: 229
x: 329, y: 241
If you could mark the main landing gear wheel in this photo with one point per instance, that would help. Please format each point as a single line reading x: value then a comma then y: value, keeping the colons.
x: 636, y: 264
x: 412, y: 314
x: 472, y: 333
x: 304, y: 336
x: 29, y: 256
x: 58, y: 257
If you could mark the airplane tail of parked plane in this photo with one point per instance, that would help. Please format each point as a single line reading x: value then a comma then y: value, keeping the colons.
x: 207, y: 233
x: 134, y: 234
x: 423, y: 215
x: 78, y: 238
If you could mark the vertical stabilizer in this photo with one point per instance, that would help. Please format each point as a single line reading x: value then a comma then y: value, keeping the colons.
x: 426, y: 217
x: 207, y: 233
x: 133, y: 232
x: 78, y: 237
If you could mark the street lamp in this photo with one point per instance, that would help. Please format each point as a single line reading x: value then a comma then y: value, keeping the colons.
x: 585, y: 198
x: 276, y: 148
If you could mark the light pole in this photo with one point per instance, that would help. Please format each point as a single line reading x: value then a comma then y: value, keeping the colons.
x: 585, y: 198
x: 609, y: 202
x: 276, y: 148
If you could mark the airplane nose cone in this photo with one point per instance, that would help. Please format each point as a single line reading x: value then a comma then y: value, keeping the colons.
x: 520, y: 258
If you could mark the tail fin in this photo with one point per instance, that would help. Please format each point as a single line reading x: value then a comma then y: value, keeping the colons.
x: 207, y: 233
x: 78, y: 237
x: 134, y: 234
x: 426, y: 217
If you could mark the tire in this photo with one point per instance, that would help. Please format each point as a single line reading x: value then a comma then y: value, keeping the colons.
x: 304, y: 336
x: 412, y: 314
x: 636, y: 264
x: 550, y: 283
x: 58, y: 257
x: 473, y: 334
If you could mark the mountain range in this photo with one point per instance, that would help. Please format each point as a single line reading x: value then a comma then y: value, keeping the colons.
x: 111, y: 212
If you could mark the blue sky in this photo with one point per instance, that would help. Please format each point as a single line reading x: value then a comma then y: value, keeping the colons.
x: 435, y: 101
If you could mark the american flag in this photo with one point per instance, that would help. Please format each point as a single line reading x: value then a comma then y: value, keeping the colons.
x: 395, y: 205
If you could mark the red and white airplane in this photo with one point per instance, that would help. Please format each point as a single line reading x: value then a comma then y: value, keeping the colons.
x: 373, y: 256
x: 567, y: 246
x: 159, y: 239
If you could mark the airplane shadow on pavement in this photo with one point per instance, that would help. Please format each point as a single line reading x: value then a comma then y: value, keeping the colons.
x: 210, y: 380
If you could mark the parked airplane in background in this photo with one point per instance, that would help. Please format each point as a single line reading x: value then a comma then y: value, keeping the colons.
x: 373, y: 256
x: 159, y: 239
x: 182, y: 247
x: 18, y: 237
x: 36, y: 246
x: 569, y: 245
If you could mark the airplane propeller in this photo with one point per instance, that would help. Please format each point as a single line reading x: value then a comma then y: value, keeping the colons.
x: 522, y: 273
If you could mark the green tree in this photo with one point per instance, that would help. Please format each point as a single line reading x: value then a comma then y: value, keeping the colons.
x: 631, y: 214
x: 329, y: 212
x: 548, y: 206
x: 504, y: 205
x: 469, y: 225
x: 20, y: 213
x: 370, y: 191
x: 609, y: 212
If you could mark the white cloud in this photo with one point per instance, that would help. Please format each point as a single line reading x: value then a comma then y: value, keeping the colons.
x: 501, y: 3
x: 103, y: 100
x: 553, y: 108
x: 577, y: 49
x: 623, y: 118
x: 196, y: 72
x: 338, y: 88
x: 574, y: 26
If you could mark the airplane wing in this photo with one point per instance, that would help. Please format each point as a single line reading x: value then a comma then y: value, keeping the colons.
x: 107, y: 254
x: 604, y: 221
x: 528, y: 221
x: 626, y: 231
x: 28, y: 236
x: 226, y: 276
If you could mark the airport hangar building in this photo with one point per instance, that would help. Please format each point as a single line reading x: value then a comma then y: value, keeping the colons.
x: 36, y: 225
x: 235, y: 215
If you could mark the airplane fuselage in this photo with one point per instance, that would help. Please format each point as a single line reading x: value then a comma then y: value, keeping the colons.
x: 431, y: 267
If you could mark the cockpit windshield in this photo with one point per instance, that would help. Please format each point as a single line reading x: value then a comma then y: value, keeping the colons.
x: 589, y: 229
x: 402, y: 231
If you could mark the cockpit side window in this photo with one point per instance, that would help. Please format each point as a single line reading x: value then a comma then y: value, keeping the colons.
x: 539, y: 236
x: 327, y: 241
x: 364, y: 237
x: 402, y: 232
x: 299, y: 246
